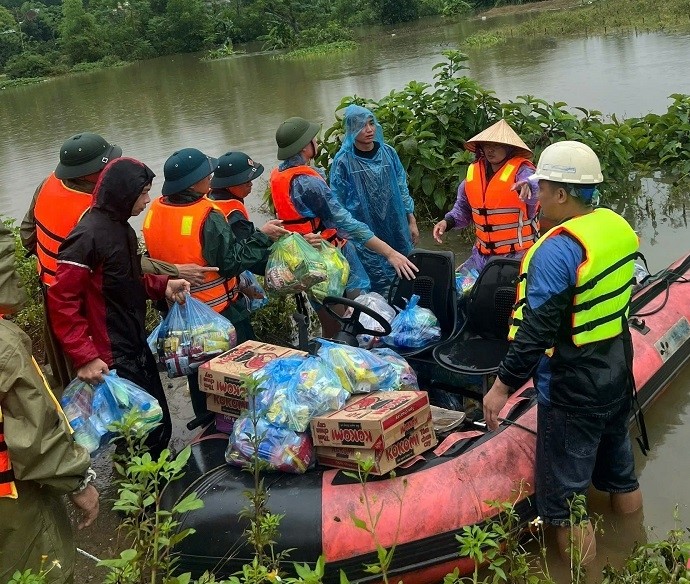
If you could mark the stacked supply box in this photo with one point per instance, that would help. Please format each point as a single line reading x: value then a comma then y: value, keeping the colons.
x: 221, y: 377
x: 391, y: 427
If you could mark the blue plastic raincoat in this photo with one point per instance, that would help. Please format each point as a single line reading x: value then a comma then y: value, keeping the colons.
x: 375, y: 192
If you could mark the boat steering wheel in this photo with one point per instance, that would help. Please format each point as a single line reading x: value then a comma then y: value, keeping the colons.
x: 351, y: 325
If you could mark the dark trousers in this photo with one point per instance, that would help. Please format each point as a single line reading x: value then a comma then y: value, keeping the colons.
x: 143, y: 371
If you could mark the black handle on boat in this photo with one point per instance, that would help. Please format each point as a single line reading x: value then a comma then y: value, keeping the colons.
x: 200, y: 420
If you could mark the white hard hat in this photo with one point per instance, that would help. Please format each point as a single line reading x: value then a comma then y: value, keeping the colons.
x: 569, y: 162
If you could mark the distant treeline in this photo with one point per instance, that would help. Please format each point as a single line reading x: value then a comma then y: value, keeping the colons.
x: 53, y: 37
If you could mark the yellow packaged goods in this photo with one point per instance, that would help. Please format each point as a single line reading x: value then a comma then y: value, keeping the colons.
x: 337, y: 270
x: 374, y: 421
x: 222, y: 375
x: 294, y: 266
x: 385, y: 460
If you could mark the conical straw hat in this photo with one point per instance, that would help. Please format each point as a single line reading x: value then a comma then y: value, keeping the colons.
x: 500, y: 133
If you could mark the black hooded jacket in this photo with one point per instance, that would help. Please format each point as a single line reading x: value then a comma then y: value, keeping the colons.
x: 98, y: 304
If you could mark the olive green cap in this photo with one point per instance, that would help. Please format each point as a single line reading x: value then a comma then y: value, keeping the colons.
x: 84, y: 154
x: 293, y: 135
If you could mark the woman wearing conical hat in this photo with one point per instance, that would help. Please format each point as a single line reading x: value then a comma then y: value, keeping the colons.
x: 504, y: 224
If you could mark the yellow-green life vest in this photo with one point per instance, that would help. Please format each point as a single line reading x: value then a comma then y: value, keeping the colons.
x: 604, y: 279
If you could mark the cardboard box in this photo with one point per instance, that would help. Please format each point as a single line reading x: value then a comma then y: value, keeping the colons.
x: 221, y: 375
x: 420, y: 440
x: 375, y: 420
x: 229, y: 405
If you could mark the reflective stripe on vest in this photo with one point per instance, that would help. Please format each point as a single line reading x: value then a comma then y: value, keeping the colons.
x: 604, y: 279
x: 285, y: 210
x: 229, y: 206
x: 7, y: 486
x: 56, y: 212
x: 500, y: 218
x: 173, y: 234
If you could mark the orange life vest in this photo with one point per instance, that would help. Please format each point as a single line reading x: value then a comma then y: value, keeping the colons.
x: 500, y: 217
x: 7, y: 486
x: 229, y: 206
x: 285, y: 209
x: 173, y: 234
x: 56, y: 212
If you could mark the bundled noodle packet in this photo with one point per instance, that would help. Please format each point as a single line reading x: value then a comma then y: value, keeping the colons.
x: 337, y: 270
x: 294, y: 266
x: 415, y: 327
x: 191, y: 334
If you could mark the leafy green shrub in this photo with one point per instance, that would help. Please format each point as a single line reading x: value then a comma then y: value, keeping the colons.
x: 28, y: 65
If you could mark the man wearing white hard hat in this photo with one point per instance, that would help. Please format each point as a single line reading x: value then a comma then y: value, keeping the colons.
x: 569, y: 332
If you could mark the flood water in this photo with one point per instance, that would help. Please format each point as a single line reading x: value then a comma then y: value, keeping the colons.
x: 155, y: 107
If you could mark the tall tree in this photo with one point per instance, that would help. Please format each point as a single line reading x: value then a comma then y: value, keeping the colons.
x: 79, y: 36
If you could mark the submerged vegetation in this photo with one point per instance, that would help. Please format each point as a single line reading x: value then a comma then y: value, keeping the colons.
x: 428, y: 123
x: 592, y: 17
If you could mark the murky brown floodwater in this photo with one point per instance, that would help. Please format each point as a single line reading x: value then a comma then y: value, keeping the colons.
x: 155, y: 107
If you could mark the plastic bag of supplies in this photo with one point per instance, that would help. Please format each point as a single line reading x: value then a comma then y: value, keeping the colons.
x: 378, y: 304
x: 283, y: 449
x: 253, y: 292
x: 295, y: 389
x: 337, y: 269
x: 294, y: 266
x: 191, y: 334
x: 91, y: 409
x: 414, y: 327
x: 359, y: 370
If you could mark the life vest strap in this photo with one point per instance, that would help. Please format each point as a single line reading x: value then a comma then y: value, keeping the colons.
x: 609, y: 270
x: 594, y: 301
x: 591, y: 325
x: 6, y: 476
x: 501, y: 211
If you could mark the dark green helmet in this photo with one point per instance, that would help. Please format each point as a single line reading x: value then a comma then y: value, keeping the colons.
x: 235, y: 168
x: 293, y: 135
x: 185, y: 168
x: 84, y: 154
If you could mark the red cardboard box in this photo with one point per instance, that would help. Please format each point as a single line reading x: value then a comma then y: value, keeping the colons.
x: 374, y: 420
x: 221, y: 376
x: 420, y: 440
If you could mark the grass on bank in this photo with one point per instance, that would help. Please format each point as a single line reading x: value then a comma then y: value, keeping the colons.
x: 594, y: 17
x: 318, y: 50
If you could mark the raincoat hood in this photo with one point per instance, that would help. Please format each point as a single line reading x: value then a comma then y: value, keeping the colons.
x: 355, y: 118
x: 12, y: 293
x: 120, y: 185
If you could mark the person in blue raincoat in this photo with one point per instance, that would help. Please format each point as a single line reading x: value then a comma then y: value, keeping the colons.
x: 369, y: 180
x: 306, y: 205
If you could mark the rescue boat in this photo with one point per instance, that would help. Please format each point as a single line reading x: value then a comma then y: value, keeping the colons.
x: 430, y: 501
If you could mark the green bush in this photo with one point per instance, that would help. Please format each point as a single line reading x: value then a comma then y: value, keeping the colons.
x: 428, y: 124
x: 28, y: 65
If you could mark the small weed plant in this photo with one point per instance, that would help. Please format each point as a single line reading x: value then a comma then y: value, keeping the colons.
x: 150, y: 531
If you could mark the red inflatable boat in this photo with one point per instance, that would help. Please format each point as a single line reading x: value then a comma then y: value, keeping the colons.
x: 446, y: 489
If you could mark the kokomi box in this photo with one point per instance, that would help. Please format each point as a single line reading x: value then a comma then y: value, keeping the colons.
x: 374, y: 420
x: 400, y: 452
x: 222, y: 375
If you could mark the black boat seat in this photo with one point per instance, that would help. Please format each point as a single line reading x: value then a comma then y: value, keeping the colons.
x: 435, y: 286
x: 482, y: 341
